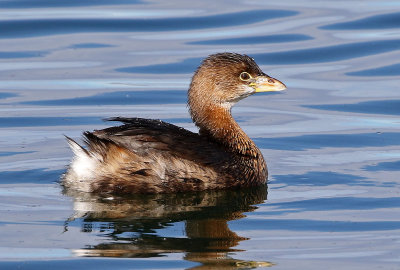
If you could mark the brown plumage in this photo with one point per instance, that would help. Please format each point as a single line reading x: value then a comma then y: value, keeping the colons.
x: 151, y: 156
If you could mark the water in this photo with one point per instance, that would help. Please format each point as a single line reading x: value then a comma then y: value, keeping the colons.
x: 331, y: 140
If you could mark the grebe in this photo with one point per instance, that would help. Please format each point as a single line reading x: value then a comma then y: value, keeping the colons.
x: 152, y: 156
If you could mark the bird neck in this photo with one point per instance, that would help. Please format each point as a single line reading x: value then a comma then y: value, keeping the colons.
x: 217, y: 123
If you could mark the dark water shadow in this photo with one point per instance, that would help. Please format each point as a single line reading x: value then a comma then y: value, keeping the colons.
x: 303, y: 56
x: 388, y: 107
x: 318, y: 141
x: 30, y: 176
x: 22, y: 54
x: 313, y: 225
x: 134, y: 225
x: 391, y: 70
x: 7, y: 95
x: 6, y: 122
x: 253, y: 40
x: 118, y: 98
x: 322, y: 179
x: 329, y: 53
x: 45, y: 27
x: 383, y: 166
x: 97, y: 264
x: 9, y: 154
x: 382, y: 21
x: 24, y: 4
x: 90, y: 46
x: 188, y: 65
x: 336, y: 203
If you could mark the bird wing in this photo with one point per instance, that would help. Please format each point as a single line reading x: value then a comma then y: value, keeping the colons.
x: 144, y: 136
x: 148, y: 156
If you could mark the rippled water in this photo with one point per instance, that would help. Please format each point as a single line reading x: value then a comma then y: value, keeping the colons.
x: 331, y: 140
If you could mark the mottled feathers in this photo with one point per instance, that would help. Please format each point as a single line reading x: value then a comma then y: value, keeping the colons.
x: 146, y: 156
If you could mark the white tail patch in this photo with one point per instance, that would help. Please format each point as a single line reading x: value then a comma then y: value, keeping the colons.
x: 83, y: 166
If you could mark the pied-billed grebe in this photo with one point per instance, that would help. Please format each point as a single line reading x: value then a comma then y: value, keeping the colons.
x: 151, y: 156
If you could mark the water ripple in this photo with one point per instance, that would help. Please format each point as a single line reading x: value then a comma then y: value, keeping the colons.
x: 89, y: 46
x: 22, y: 54
x: 118, y: 98
x: 24, y: 4
x: 186, y: 66
x: 388, y: 107
x: 302, y: 56
x: 391, y: 70
x: 44, y: 27
x: 30, y: 176
x: 384, y: 166
x: 8, y: 122
x: 322, y: 179
x: 46, y: 121
x: 8, y: 154
x: 319, y: 141
x: 316, y: 225
x: 330, y: 53
x: 139, y: 263
x: 339, y: 203
x: 254, y: 40
x: 7, y: 95
x: 382, y: 21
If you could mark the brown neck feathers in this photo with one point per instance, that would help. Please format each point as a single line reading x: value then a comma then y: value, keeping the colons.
x: 217, y: 122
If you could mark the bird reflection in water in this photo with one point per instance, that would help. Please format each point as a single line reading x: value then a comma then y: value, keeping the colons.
x: 131, y: 225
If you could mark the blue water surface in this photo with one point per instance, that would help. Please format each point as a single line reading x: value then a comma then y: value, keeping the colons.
x: 331, y: 140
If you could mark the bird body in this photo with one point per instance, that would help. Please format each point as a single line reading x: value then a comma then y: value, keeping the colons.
x: 152, y: 156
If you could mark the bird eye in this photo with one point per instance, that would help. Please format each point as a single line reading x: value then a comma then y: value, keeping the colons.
x: 244, y: 76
